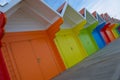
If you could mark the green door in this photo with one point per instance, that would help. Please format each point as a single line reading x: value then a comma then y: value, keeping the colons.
x: 88, y: 41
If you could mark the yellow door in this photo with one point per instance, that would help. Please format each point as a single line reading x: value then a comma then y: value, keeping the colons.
x: 70, y: 50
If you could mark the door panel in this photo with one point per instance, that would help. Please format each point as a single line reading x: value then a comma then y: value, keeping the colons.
x: 66, y: 54
x: 31, y: 56
x: 25, y: 60
x: 110, y: 35
x: 98, y: 38
x: 45, y: 58
x: 69, y: 49
x: 75, y: 48
x: 88, y: 42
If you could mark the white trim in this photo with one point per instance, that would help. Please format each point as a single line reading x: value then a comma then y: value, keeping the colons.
x: 64, y: 9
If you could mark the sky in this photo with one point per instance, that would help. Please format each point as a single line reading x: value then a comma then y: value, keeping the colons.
x: 55, y: 4
x: 3, y: 2
x: 101, y: 6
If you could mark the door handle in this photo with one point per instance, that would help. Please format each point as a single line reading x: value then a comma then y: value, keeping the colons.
x: 38, y: 60
x: 71, y: 48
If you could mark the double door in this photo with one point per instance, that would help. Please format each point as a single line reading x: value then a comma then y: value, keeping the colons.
x: 30, y: 58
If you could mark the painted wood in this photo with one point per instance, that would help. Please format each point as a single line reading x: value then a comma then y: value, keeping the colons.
x: 118, y: 30
x: 109, y: 33
x: 30, y: 16
x: 70, y: 48
x: 43, y: 22
x: 111, y: 28
x: 31, y: 56
x: 96, y: 32
x: 114, y: 30
x: 104, y: 35
x: 107, y: 29
x: 71, y: 18
x: 85, y: 35
x: 67, y: 40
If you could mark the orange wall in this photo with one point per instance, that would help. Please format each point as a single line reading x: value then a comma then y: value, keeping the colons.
x: 54, y: 28
x: 31, y: 56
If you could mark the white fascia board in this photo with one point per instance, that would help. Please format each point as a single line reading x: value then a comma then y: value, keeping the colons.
x: 64, y: 9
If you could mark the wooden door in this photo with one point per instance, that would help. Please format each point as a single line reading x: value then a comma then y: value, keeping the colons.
x: 30, y: 57
x: 76, y: 48
x: 70, y: 50
x: 45, y: 58
x: 110, y: 34
x: 65, y: 51
x: 88, y: 41
x: 25, y: 61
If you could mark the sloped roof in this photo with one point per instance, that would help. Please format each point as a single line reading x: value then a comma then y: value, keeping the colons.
x: 88, y: 16
x: 94, y: 14
x: 61, y: 8
x: 98, y: 17
x: 71, y: 17
x: 82, y: 11
x: 30, y: 15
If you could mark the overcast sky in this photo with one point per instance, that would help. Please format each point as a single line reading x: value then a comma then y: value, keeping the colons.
x: 3, y: 2
x: 101, y: 6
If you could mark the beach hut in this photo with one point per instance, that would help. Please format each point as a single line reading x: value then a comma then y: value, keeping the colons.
x: 85, y: 35
x: 96, y: 32
x: 67, y: 41
x: 104, y: 35
x: 106, y: 31
x: 28, y: 46
x: 114, y: 29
